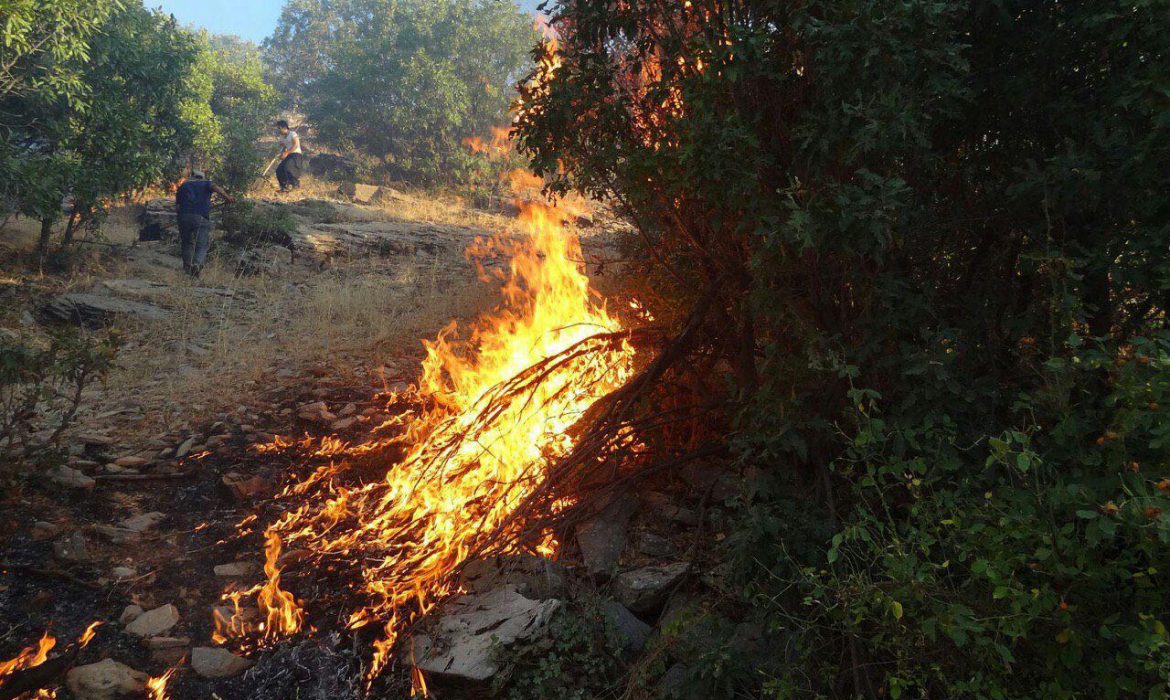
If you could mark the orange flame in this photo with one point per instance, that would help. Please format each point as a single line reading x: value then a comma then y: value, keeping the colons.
x: 30, y: 657
x: 157, y: 687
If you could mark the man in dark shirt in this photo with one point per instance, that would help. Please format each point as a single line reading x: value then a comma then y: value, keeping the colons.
x: 193, y: 204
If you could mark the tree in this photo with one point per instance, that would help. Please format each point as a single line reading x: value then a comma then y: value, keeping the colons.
x: 928, y: 241
x: 244, y: 105
x: 141, y: 106
x: 402, y: 80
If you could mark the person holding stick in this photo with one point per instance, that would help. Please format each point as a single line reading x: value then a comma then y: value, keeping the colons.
x: 292, y: 158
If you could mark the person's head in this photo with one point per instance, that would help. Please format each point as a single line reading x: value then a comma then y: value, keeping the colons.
x: 282, y: 126
x: 198, y: 175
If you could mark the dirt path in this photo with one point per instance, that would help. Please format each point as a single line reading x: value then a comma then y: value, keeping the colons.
x: 170, y: 452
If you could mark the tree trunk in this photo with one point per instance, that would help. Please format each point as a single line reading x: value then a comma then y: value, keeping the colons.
x: 71, y: 227
x: 43, y: 242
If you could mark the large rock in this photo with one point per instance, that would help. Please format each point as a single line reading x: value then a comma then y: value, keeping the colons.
x: 215, y: 662
x: 464, y: 639
x: 533, y: 576
x: 71, y: 478
x: 143, y: 523
x: 603, y: 537
x: 632, y: 631
x: 154, y: 622
x: 644, y: 590
x: 104, y: 680
x: 95, y: 310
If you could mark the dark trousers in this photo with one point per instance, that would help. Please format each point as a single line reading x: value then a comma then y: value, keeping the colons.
x: 289, y: 172
x: 194, y: 241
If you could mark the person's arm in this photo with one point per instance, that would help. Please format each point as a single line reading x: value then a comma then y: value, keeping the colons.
x: 222, y: 192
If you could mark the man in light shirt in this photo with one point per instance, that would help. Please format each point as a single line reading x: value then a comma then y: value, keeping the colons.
x: 292, y: 158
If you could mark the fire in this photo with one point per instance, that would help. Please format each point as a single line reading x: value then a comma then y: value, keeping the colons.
x: 157, y: 687
x: 500, y: 402
x: 30, y: 657
x: 89, y: 633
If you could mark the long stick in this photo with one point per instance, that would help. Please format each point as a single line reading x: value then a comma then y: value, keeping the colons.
x: 269, y: 166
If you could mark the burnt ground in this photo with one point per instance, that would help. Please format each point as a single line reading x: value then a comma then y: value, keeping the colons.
x: 174, y: 563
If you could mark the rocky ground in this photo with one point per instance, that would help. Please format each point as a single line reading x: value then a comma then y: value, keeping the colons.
x: 155, y: 510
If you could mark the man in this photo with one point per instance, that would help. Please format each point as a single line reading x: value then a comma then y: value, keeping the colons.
x: 292, y: 158
x: 193, y: 204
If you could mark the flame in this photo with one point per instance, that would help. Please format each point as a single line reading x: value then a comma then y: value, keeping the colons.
x: 30, y: 657
x: 157, y: 687
x: 89, y: 633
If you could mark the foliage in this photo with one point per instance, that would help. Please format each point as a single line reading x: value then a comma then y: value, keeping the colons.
x: 402, y: 80
x: 576, y: 659
x: 140, y: 105
x: 249, y: 223
x: 244, y: 106
x: 40, y: 390
x: 935, y: 232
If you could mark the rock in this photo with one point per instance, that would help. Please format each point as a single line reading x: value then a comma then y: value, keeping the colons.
x: 144, y: 522
x: 160, y: 643
x: 533, y: 576
x: 104, y: 680
x: 121, y: 572
x: 129, y: 614
x: 348, y: 410
x: 72, y: 548
x: 185, y: 447
x: 360, y: 193
x: 117, y: 535
x: 330, y: 165
x: 673, y: 683
x: 268, y: 259
x: 466, y: 637
x: 132, y: 461
x: 95, y: 310
x: 644, y: 590
x: 665, y: 507
x: 603, y: 537
x: 632, y: 631
x: 70, y: 478
x: 656, y: 546
x: 236, y: 569
x: 154, y: 622
x: 343, y: 423
x: 214, y: 662
x: 95, y: 439
x: 244, y: 487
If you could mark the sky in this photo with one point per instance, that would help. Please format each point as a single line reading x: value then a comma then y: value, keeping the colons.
x: 250, y: 19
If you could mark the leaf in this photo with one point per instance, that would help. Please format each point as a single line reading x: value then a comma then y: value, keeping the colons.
x: 896, y: 609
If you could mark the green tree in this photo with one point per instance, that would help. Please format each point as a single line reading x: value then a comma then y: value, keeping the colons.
x: 402, y: 80
x: 244, y: 105
x: 928, y: 241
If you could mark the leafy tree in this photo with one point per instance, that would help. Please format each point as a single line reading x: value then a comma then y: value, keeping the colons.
x: 244, y: 105
x: 402, y: 80
x: 928, y: 241
x: 141, y: 106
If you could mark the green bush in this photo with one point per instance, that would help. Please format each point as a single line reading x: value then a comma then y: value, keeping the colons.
x: 935, y: 234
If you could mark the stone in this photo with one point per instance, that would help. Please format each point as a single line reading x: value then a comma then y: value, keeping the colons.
x: 129, y: 614
x: 154, y: 622
x: 185, y: 447
x: 121, y: 572
x: 236, y: 569
x: 117, y: 535
x: 360, y: 193
x: 104, y: 680
x: 244, y: 487
x: 144, y: 522
x: 328, y: 164
x: 656, y: 546
x: 132, y: 461
x: 632, y: 631
x: 215, y: 662
x: 603, y: 537
x: 463, y: 642
x: 533, y: 576
x: 348, y: 410
x: 673, y: 683
x: 71, y: 478
x: 96, y: 310
x: 665, y: 507
x: 72, y: 548
x: 644, y: 590
x: 343, y: 423
x: 95, y: 439
x: 160, y: 643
